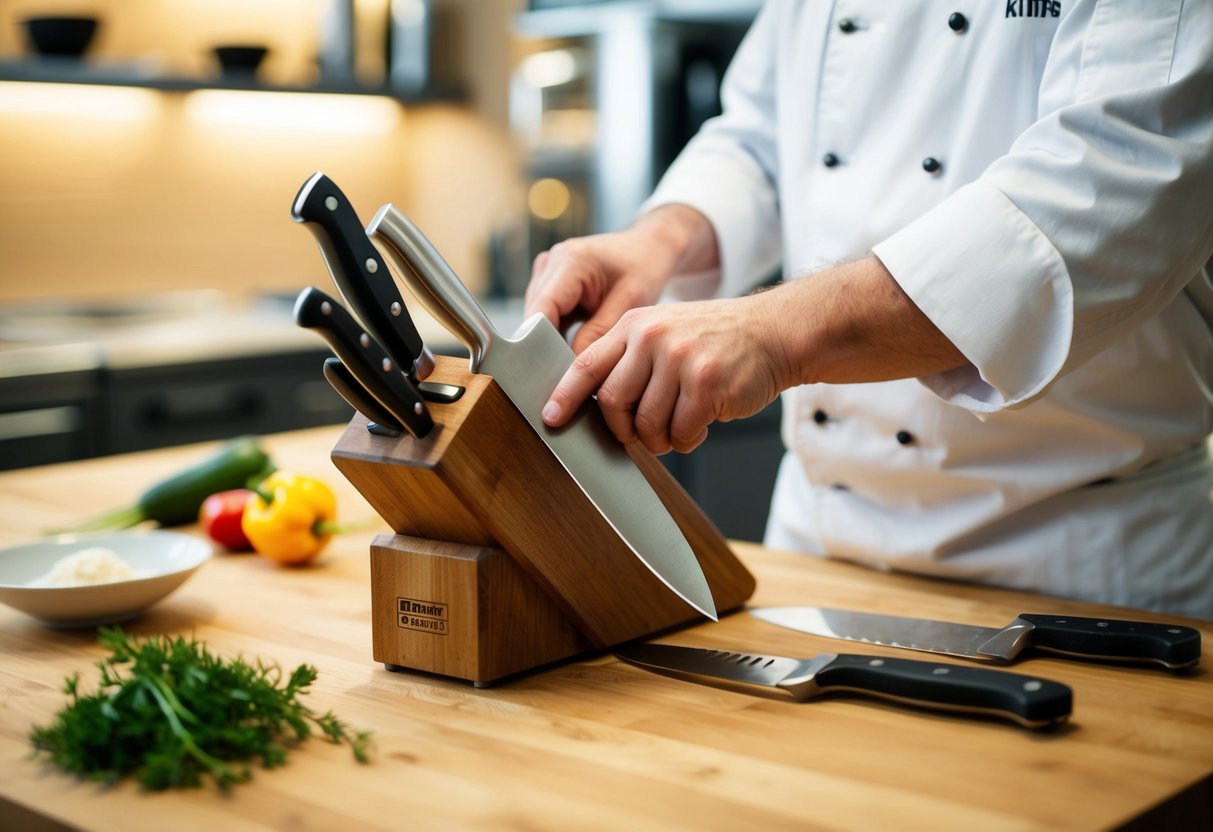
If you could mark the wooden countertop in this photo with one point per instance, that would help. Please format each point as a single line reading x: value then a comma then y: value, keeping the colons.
x: 595, y: 743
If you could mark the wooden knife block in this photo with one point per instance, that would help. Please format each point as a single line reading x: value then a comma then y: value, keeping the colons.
x: 500, y: 563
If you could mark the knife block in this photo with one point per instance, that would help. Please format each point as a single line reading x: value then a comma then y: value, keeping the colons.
x: 499, y: 562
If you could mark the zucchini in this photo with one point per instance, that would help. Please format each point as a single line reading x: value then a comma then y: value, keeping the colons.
x: 175, y: 501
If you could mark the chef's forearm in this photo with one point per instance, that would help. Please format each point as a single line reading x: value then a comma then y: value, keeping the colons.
x: 853, y: 323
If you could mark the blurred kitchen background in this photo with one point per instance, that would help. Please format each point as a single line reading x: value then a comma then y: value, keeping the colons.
x: 148, y: 263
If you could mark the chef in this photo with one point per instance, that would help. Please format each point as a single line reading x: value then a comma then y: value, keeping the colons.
x: 993, y: 335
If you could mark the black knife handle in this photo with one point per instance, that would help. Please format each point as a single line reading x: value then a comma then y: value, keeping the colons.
x: 364, y: 358
x: 379, y: 420
x: 1031, y: 701
x: 360, y: 272
x: 1171, y: 645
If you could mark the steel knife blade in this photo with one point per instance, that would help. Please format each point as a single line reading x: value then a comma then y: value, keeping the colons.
x: 360, y: 273
x: 379, y: 420
x: 527, y: 367
x: 366, y: 360
x: 1173, y: 646
x: 1027, y: 700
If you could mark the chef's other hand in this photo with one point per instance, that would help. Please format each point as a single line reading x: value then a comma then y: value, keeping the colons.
x: 664, y: 373
x: 596, y: 279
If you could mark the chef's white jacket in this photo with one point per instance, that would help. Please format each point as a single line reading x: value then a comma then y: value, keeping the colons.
x: 1037, y: 175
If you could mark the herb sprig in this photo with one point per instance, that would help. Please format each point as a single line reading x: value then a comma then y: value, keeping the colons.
x: 179, y: 713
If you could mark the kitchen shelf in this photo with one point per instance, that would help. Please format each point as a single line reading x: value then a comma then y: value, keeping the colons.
x: 590, y: 18
x: 52, y: 71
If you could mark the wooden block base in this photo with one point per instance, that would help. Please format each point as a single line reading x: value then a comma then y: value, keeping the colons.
x: 463, y: 611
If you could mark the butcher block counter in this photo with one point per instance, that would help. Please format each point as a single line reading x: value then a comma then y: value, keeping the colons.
x: 594, y: 743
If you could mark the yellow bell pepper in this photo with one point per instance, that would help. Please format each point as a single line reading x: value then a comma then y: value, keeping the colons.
x: 290, y: 519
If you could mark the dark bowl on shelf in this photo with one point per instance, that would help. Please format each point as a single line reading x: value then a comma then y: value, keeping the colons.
x: 239, y: 61
x: 60, y: 37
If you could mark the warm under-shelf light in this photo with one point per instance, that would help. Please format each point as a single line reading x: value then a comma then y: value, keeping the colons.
x: 96, y: 102
x: 312, y: 112
x: 551, y: 68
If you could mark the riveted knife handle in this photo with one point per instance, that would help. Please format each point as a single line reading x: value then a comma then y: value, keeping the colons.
x: 433, y: 282
x: 366, y: 360
x: 360, y: 272
x: 1027, y: 700
x: 1171, y: 645
x: 379, y: 420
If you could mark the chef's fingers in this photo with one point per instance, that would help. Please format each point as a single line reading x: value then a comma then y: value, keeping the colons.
x: 660, y: 377
x: 614, y: 306
x: 654, y: 411
x: 695, y: 408
x: 636, y: 399
x: 689, y: 422
x: 587, y: 372
x: 558, y: 286
x: 534, y: 286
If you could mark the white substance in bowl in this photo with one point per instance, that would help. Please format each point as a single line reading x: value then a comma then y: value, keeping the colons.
x: 95, y: 565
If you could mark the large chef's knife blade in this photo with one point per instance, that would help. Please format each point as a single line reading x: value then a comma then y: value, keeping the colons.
x: 379, y: 420
x: 1032, y: 702
x: 360, y: 273
x: 1171, y: 645
x: 364, y: 358
x: 527, y: 368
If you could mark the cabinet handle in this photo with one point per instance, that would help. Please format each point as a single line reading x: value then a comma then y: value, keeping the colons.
x: 45, y: 421
x: 178, y: 411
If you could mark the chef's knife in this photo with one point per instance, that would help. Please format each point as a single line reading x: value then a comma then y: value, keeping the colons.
x: 1030, y: 701
x: 527, y: 368
x: 358, y: 269
x: 1171, y: 645
x: 364, y: 358
x: 379, y: 420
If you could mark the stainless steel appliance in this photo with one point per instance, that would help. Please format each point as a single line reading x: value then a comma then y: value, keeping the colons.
x: 604, y: 99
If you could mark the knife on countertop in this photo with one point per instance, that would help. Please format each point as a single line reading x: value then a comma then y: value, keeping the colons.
x: 366, y: 360
x: 360, y: 273
x: 1173, y: 646
x: 527, y: 368
x: 379, y: 420
x: 1028, y: 700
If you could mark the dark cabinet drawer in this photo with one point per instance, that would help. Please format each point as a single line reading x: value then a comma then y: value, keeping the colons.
x: 49, y: 418
x: 152, y: 407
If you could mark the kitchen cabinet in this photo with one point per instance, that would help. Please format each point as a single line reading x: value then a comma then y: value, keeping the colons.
x: 80, y: 380
x: 62, y: 416
x: 52, y: 417
x: 154, y: 407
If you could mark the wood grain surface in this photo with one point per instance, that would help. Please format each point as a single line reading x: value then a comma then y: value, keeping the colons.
x: 596, y: 744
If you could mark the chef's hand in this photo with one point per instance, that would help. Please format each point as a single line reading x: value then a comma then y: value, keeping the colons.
x: 664, y: 373
x: 596, y: 279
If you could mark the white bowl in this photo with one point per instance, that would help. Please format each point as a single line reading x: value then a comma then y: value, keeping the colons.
x: 161, y: 562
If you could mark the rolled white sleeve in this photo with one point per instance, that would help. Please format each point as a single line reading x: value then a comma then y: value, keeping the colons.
x: 728, y: 172
x: 1096, y: 218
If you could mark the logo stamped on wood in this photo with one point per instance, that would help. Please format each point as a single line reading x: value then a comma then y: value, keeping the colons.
x: 422, y: 616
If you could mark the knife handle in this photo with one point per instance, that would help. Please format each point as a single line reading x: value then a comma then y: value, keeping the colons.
x: 360, y: 272
x: 1171, y: 645
x: 380, y: 421
x: 364, y: 358
x: 1028, y: 700
x: 433, y: 282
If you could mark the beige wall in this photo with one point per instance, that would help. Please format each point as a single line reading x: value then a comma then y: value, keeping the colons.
x: 152, y: 190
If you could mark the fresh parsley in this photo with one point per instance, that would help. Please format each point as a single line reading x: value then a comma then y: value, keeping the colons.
x: 169, y: 712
